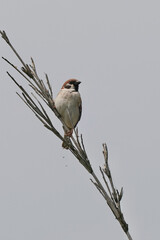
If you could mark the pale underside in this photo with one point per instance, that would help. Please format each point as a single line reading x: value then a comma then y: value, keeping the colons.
x: 68, y: 104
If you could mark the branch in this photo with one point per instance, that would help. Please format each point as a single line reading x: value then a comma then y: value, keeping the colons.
x: 75, y: 144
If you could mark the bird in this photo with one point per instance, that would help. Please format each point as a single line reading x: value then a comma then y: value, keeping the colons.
x: 69, y: 105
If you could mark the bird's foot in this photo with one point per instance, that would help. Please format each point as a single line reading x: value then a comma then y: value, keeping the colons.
x: 69, y: 133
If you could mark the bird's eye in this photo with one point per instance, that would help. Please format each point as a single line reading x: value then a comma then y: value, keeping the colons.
x: 68, y: 86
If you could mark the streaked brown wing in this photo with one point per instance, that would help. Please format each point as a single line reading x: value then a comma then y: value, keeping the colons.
x: 80, y: 113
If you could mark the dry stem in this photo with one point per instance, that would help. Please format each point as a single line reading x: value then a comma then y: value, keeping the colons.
x: 75, y: 144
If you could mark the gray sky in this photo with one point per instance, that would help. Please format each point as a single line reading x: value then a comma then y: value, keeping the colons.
x: 113, y: 48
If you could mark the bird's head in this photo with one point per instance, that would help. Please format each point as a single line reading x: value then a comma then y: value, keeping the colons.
x: 71, y: 84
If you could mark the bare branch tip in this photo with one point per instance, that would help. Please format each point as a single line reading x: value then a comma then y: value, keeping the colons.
x: 121, y: 194
x: 4, y: 36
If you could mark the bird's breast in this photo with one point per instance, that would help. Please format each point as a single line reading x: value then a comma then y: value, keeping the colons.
x: 67, y: 104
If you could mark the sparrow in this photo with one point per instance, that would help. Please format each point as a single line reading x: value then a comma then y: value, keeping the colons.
x: 69, y: 105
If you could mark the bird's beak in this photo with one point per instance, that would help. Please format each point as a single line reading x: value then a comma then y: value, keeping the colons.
x: 78, y: 82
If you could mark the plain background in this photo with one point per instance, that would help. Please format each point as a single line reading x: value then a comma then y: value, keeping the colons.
x: 113, y: 48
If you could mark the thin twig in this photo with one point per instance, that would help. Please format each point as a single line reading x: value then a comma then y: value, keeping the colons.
x: 106, y: 182
x: 4, y: 36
